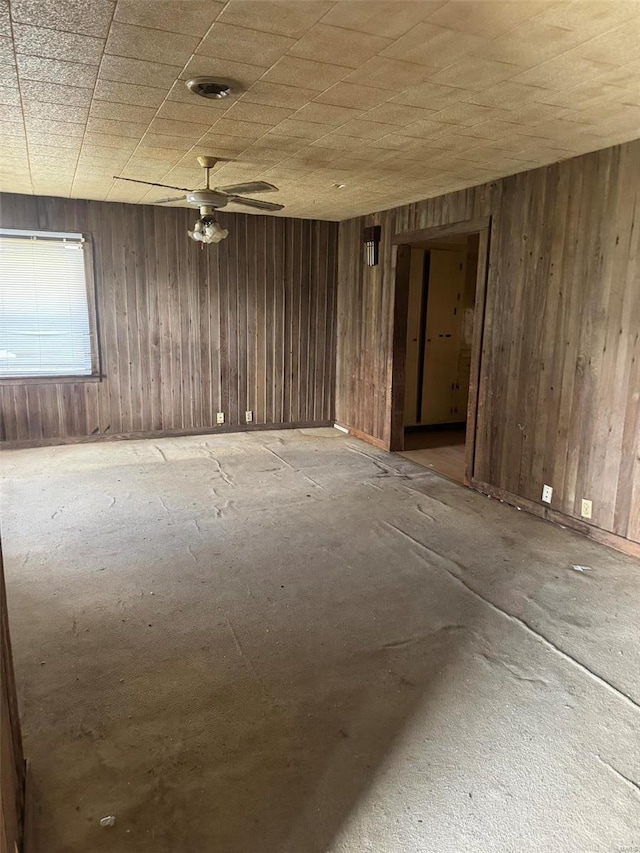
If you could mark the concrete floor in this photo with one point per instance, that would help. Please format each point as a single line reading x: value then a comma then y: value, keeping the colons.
x: 291, y: 642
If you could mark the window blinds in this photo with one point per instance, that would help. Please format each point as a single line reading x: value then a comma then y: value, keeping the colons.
x: 44, y: 312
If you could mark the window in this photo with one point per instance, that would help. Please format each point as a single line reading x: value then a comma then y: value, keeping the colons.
x: 47, y: 326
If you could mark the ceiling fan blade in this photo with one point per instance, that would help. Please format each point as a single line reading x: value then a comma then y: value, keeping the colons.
x: 249, y: 187
x: 167, y: 200
x: 254, y: 202
x: 151, y: 184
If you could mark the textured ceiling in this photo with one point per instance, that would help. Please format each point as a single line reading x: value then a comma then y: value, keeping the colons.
x: 396, y: 100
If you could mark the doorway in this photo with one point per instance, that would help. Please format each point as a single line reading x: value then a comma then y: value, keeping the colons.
x: 440, y: 290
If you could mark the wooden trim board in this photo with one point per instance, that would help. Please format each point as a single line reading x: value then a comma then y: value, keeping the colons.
x: 176, y: 433
x: 604, y: 537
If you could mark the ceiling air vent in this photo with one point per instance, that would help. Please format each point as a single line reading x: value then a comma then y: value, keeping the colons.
x: 209, y: 87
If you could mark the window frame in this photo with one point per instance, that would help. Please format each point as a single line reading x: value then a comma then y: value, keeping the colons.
x: 92, y: 308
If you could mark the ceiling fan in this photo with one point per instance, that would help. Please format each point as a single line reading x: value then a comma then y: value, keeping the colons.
x: 207, y: 229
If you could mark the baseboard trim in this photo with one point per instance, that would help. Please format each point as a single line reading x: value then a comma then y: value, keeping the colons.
x: 171, y: 433
x: 364, y: 436
x: 604, y: 537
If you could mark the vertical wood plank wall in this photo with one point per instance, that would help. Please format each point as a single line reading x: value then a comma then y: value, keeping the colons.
x: 560, y: 377
x: 186, y: 332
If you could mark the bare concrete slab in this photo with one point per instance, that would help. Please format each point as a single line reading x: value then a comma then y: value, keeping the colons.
x: 290, y: 642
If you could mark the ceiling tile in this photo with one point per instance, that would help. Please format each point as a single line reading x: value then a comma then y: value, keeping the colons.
x: 176, y: 16
x: 432, y: 96
x: 563, y: 72
x: 306, y: 73
x: 72, y: 16
x: 260, y: 113
x: 341, y: 142
x: 53, y: 141
x: 41, y: 126
x: 107, y: 140
x: 531, y: 44
x: 507, y: 95
x: 145, y: 43
x: 326, y: 114
x: 159, y: 140
x: 282, y: 142
x: 283, y: 17
x: 434, y: 46
x: 126, y: 93
x: 277, y: 95
x: 7, y: 55
x: 304, y: 129
x: 350, y: 95
x: 54, y: 44
x: 8, y: 75
x: 246, y: 129
x: 121, y: 69
x: 427, y: 129
x: 56, y: 71
x: 172, y: 127
x: 486, y: 19
x: 400, y: 114
x: 117, y: 128
x: 617, y: 47
x: 595, y: 18
x: 200, y: 112
x: 217, y: 140
x: 59, y: 112
x: 9, y: 96
x: 54, y: 93
x: 464, y: 114
x: 239, y: 72
x: 224, y: 41
x: 363, y: 129
x: 392, y: 74
x: 468, y: 91
x: 147, y: 158
x: 53, y: 155
x: 10, y: 128
x: 390, y: 19
x: 334, y: 45
x: 475, y: 74
x: 5, y: 19
x: 121, y: 112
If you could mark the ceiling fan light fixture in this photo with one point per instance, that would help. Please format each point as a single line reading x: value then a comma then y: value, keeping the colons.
x: 208, y: 230
x: 209, y: 87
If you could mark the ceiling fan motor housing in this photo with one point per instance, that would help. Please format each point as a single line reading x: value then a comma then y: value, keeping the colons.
x: 207, y: 198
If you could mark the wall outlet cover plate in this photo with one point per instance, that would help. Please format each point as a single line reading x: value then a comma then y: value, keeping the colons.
x: 547, y: 494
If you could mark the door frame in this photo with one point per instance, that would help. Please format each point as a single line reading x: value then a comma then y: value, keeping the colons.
x: 403, y: 243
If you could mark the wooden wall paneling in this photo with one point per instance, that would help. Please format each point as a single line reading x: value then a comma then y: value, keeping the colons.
x: 270, y: 332
x: 254, y: 318
x: 398, y: 346
x: 559, y: 390
x: 186, y: 331
x: 476, y: 400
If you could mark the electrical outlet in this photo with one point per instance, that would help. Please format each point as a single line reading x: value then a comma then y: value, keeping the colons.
x: 547, y: 494
x: 248, y: 417
x: 220, y: 418
x: 587, y: 507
